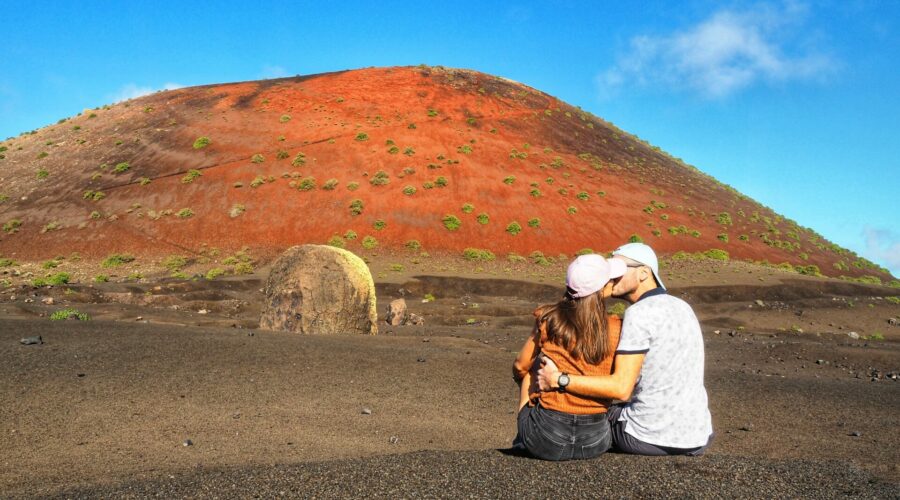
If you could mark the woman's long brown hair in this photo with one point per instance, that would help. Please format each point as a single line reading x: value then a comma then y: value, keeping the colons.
x: 580, y: 326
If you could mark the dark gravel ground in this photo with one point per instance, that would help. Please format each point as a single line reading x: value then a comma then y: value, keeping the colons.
x: 101, y: 409
x: 493, y: 474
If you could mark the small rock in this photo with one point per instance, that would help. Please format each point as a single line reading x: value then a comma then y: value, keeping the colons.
x: 29, y: 301
x: 855, y: 434
x: 894, y: 321
x: 203, y: 311
x: 139, y: 318
x: 716, y: 332
x: 396, y: 312
x: 760, y: 303
x: 853, y: 335
x: 32, y: 340
x: 187, y: 442
x: 393, y: 440
x: 415, y: 319
x: 746, y: 428
x: 420, y: 360
x: 79, y: 375
x: 47, y: 300
x: 12, y: 297
x: 820, y: 361
x: 366, y: 411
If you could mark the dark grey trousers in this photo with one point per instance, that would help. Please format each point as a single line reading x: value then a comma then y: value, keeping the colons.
x: 554, y: 435
x: 623, y: 442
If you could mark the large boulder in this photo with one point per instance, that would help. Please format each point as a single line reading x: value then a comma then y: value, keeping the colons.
x: 319, y: 289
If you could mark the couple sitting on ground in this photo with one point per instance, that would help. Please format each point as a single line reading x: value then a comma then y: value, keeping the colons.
x: 579, y: 359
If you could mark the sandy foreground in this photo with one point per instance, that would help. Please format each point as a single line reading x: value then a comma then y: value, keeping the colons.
x: 104, y: 408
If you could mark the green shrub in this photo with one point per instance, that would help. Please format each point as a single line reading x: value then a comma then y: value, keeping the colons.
x: 42, y: 154
x: 352, y: 186
x: 451, y: 222
x: 572, y: 210
x: 282, y: 155
x: 42, y: 174
x: 656, y: 232
x: 744, y: 237
x: 117, y: 259
x: 214, y: 273
x: 190, y: 176
x: 356, y: 207
x: 432, y: 112
x: 299, y: 160
x: 723, y: 237
x: 257, y: 158
x: 369, y: 242
x: 717, y: 254
x: 809, y: 270
x: 50, y: 264
x: 515, y: 258
x: 284, y: 118
x: 185, y: 213
x: 393, y: 150
x: 483, y: 218
x: 428, y: 185
x: 174, y: 262
x: 409, y: 151
x: 478, y: 254
x: 4, y: 262
x: 409, y: 190
x: 12, y: 226
x: 440, y: 182
x: 101, y: 278
x: 350, y: 234
x: 535, y: 192
x: 583, y: 196
x: 379, y: 224
x: 723, y: 218
x: 467, y: 208
x: 538, y: 258
x: 413, y: 245
x: 464, y: 149
x: 411, y: 126
x: 337, y: 242
x: 330, y: 184
x: 63, y: 314
x: 53, y: 279
x: 362, y: 136
x: 513, y: 228
x: 380, y: 178
x: 396, y: 268
x: 201, y: 142
x: 307, y: 184
x: 584, y: 251
x: 509, y: 180
x: 535, y: 222
x: 121, y: 167
x: 143, y: 181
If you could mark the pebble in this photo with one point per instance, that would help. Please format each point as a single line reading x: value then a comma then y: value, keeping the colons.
x: 32, y: 340
x: 820, y: 361
x: 420, y: 360
x: 203, y: 311
x: 853, y: 335
x: 760, y: 303
x: 187, y: 442
x: 393, y: 440
x: 746, y: 428
x: 47, y: 300
x: 366, y: 411
x: 855, y: 434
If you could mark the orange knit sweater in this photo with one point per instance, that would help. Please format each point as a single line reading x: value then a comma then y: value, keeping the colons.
x: 564, y: 401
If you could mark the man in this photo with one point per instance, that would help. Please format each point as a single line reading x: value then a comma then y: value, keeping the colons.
x: 658, y: 368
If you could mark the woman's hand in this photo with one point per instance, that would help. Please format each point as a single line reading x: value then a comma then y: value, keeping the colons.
x: 548, y: 375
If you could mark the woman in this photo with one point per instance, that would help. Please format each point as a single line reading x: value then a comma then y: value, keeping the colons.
x: 578, y: 335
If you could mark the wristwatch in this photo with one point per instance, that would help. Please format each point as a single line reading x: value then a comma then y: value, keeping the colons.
x: 563, y: 382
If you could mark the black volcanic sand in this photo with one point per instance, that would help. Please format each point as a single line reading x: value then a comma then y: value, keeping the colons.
x: 103, y: 408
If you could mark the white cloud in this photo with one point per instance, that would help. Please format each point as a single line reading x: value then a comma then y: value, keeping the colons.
x: 729, y: 51
x: 132, y: 90
x: 883, y: 246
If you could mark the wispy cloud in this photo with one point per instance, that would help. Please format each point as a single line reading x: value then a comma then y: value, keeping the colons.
x: 883, y: 246
x: 133, y: 90
x: 723, y: 54
x: 270, y: 71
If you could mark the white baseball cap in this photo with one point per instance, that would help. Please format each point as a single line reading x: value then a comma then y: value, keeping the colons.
x: 589, y: 273
x: 643, y: 254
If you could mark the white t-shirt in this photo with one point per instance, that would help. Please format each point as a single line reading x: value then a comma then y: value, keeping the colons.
x: 668, y: 405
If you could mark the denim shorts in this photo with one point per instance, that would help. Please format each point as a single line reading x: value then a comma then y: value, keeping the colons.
x: 554, y: 435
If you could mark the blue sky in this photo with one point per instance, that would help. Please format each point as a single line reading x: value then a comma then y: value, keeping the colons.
x: 796, y: 104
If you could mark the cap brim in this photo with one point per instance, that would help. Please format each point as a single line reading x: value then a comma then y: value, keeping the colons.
x: 617, y: 268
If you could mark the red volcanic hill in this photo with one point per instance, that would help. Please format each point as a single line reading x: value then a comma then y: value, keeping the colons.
x: 450, y: 158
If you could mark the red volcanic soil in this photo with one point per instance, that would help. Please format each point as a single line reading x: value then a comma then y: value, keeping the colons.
x: 287, y: 157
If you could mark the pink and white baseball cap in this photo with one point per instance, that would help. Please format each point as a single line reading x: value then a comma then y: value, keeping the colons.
x: 589, y: 273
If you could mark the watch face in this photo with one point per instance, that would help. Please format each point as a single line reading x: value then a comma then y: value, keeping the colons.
x: 563, y: 380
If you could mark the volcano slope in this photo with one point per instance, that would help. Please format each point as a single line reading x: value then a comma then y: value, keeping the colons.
x: 447, y: 158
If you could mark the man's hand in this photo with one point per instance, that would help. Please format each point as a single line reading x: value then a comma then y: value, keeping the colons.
x: 548, y: 375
